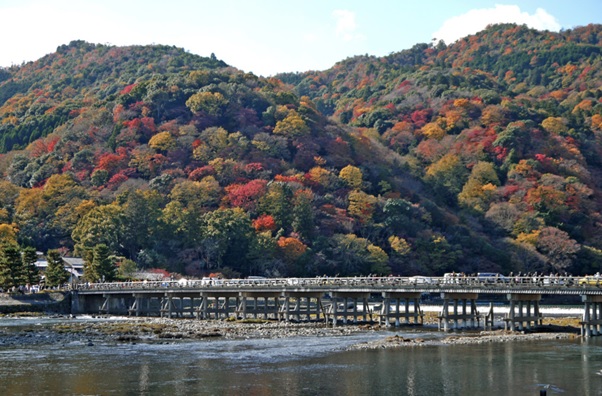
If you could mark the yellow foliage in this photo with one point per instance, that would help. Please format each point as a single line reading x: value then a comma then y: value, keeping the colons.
x: 554, y: 125
x: 319, y: 175
x: 292, y: 125
x: 445, y: 165
x: 352, y: 175
x: 489, y: 187
x: 8, y: 233
x: 492, y: 115
x: 377, y: 254
x: 462, y: 102
x: 4, y: 216
x: 433, y: 131
x: 162, y: 141
x: 203, y: 153
x: 452, y: 117
x: 399, y: 245
x: 530, y: 238
x: 210, y: 103
x: 361, y: 205
x: 318, y: 160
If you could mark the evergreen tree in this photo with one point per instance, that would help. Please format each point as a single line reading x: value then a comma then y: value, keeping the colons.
x: 29, y: 258
x: 102, y: 266
x: 12, y: 272
x: 56, y: 275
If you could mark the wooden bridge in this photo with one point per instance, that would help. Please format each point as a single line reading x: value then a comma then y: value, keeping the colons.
x: 389, y: 300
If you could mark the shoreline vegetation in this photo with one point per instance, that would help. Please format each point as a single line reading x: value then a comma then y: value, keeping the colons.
x: 112, y: 330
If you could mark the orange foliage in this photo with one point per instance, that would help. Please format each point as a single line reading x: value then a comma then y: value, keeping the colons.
x: 597, y: 121
x: 558, y: 95
x: 264, y: 223
x: 291, y: 248
x: 584, y: 105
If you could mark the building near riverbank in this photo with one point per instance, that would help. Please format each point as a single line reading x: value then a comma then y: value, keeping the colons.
x: 73, y: 265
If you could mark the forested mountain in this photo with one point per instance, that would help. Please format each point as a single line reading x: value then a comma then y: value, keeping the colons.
x: 484, y: 155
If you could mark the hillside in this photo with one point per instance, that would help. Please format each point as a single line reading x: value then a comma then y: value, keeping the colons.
x: 484, y: 155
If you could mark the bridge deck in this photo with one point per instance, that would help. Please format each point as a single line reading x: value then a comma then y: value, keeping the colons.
x: 373, y: 285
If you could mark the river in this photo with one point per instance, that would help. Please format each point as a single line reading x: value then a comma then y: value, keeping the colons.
x: 301, y: 366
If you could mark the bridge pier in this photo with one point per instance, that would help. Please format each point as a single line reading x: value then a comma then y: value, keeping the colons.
x: 467, y: 317
x: 299, y: 305
x: 387, y: 312
x: 269, y: 308
x: 143, y: 304
x: 349, y: 300
x: 592, y: 315
x: 524, y: 311
x: 115, y: 304
x: 218, y: 305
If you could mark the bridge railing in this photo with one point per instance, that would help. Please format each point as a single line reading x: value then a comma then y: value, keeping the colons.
x: 421, y: 282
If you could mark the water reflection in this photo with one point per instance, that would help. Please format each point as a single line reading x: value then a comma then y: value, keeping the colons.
x: 303, y: 366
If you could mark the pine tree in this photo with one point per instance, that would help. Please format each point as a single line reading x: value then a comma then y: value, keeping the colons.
x: 98, y: 267
x: 29, y: 258
x: 12, y: 272
x: 102, y: 265
x: 56, y: 275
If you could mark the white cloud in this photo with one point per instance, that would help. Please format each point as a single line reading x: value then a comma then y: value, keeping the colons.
x: 476, y: 20
x: 345, y: 25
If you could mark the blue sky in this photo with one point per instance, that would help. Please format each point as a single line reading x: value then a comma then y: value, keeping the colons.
x: 268, y: 36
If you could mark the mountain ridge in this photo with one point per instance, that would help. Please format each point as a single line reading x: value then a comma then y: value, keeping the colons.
x: 483, y: 155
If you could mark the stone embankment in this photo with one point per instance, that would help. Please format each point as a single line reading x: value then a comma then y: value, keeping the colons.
x: 47, y: 302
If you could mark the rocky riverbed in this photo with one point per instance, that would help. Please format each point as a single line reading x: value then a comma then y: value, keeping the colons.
x: 62, y: 330
x: 482, y: 337
x: 98, y: 330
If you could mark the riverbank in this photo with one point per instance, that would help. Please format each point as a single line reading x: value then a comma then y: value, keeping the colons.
x: 43, y: 302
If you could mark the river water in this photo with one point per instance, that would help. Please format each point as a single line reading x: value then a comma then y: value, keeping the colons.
x: 301, y: 366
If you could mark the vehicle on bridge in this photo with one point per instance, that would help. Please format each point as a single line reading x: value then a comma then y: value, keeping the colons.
x: 593, y: 280
x: 492, y: 277
x: 420, y: 280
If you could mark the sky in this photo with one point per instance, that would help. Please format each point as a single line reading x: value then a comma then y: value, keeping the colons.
x: 266, y: 37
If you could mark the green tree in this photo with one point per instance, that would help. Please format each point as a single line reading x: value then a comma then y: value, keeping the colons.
x: 357, y: 256
x: 231, y: 232
x: 278, y: 203
x: 101, y: 225
x: 480, y: 188
x: 12, y: 271
x: 303, y: 215
x: 141, y: 211
x: 101, y: 267
x: 127, y: 269
x: 447, y: 177
x: 29, y: 256
x: 56, y: 275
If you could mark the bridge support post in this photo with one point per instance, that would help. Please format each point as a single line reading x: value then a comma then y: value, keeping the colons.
x: 297, y: 309
x: 387, y: 313
x: 592, y: 315
x: 520, y: 315
x: 350, y: 306
x: 466, y: 318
